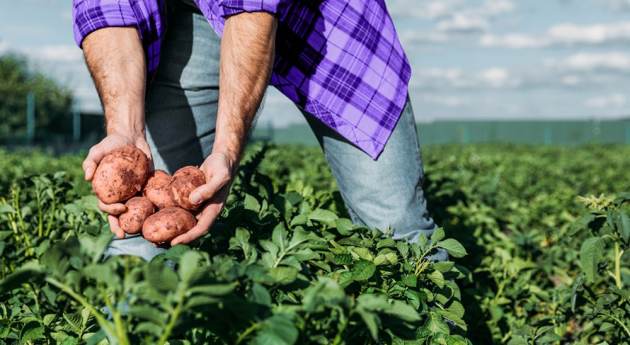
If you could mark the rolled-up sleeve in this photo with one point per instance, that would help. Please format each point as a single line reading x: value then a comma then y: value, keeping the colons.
x: 232, y: 7
x: 146, y: 15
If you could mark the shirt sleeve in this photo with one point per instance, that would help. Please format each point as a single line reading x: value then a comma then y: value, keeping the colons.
x: 232, y: 7
x: 146, y: 15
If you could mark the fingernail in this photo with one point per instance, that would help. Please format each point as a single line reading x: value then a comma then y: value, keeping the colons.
x: 88, y: 172
x: 195, y: 198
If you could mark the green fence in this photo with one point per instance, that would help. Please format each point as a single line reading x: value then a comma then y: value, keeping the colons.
x: 464, y: 132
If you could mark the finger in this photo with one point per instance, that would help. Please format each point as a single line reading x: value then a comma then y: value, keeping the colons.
x: 114, y: 226
x: 144, y: 147
x: 90, y: 163
x: 208, y: 190
x: 114, y: 209
x: 208, y: 217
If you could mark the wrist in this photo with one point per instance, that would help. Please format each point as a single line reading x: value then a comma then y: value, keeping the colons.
x: 129, y: 125
x: 231, y: 155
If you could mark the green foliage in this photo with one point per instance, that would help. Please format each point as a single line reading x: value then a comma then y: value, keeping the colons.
x: 279, y: 268
x: 285, y: 265
x: 53, y: 103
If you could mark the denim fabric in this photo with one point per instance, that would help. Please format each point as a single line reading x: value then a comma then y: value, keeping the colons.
x: 181, y: 110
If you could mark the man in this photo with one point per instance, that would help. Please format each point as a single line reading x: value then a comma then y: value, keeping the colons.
x: 340, y: 61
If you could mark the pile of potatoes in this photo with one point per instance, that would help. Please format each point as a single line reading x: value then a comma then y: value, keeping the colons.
x: 123, y: 176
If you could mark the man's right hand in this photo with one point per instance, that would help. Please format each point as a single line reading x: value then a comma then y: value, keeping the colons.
x: 97, y: 152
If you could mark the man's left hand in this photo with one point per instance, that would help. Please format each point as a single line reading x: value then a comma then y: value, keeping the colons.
x: 219, y: 169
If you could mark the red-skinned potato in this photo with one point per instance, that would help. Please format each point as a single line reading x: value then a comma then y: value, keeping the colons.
x: 184, y: 181
x: 167, y: 224
x: 156, y: 189
x: 138, y: 210
x: 120, y: 175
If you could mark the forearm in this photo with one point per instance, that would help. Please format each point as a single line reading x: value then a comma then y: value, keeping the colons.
x: 247, y: 53
x: 116, y: 61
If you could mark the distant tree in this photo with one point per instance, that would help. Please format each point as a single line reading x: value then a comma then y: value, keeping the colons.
x: 53, y: 103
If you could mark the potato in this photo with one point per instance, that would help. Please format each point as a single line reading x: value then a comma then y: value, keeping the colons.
x: 167, y: 224
x: 184, y: 181
x: 138, y: 210
x: 120, y: 175
x: 156, y: 189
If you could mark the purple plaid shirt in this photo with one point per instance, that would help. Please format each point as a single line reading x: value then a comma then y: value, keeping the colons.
x: 339, y: 60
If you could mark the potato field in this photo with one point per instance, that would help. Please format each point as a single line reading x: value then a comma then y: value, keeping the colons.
x: 538, y: 237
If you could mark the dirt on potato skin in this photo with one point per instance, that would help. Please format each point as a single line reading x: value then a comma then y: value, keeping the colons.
x: 138, y: 210
x: 167, y: 224
x: 120, y: 175
x: 184, y: 181
x: 156, y: 189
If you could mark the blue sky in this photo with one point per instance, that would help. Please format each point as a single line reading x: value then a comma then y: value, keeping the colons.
x: 471, y: 59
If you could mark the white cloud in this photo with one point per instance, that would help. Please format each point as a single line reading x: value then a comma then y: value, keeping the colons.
x: 411, y: 37
x: 463, y: 22
x: 55, y: 53
x: 598, y: 62
x: 456, y: 78
x: 496, y: 77
x: 616, y: 100
x: 563, y: 35
x: 434, y: 9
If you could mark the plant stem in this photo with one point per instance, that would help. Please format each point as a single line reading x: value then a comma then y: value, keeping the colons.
x: 623, y: 326
x: 338, y: 338
x: 120, y: 328
x: 174, y: 317
x: 99, y: 318
x: 247, y: 332
x: 40, y: 226
x: 618, y: 255
x: 27, y: 239
x: 52, y: 215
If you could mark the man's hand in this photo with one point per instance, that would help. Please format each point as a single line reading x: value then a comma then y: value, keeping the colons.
x: 94, y: 157
x: 115, y: 58
x: 247, y: 54
x: 219, y: 170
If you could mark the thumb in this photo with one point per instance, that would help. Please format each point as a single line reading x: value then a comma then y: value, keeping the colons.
x: 207, y: 191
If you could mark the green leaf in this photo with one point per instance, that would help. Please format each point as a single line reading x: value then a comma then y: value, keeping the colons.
x: 19, y: 277
x: 575, y: 290
x: 342, y: 259
x: 148, y: 313
x: 453, y: 247
x: 372, y: 321
x: 622, y: 223
x: 277, y: 330
x: 590, y: 255
x: 410, y: 280
x: 403, y: 248
x: 518, y: 340
x: 436, y: 325
x: 323, y: 216
x: 161, y: 277
x: 283, y: 275
x: 4, y: 208
x: 344, y: 226
x: 444, y: 266
x: 188, y: 265
x: 581, y: 223
x: 437, y: 277
x: 251, y: 203
x: 438, y: 235
x: 363, y: 270
x: 31, y: 331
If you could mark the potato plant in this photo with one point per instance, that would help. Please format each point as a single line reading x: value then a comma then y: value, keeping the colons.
x: 284, y: 264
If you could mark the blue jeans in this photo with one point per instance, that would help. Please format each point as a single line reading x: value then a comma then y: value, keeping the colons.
x: 181, y: 112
